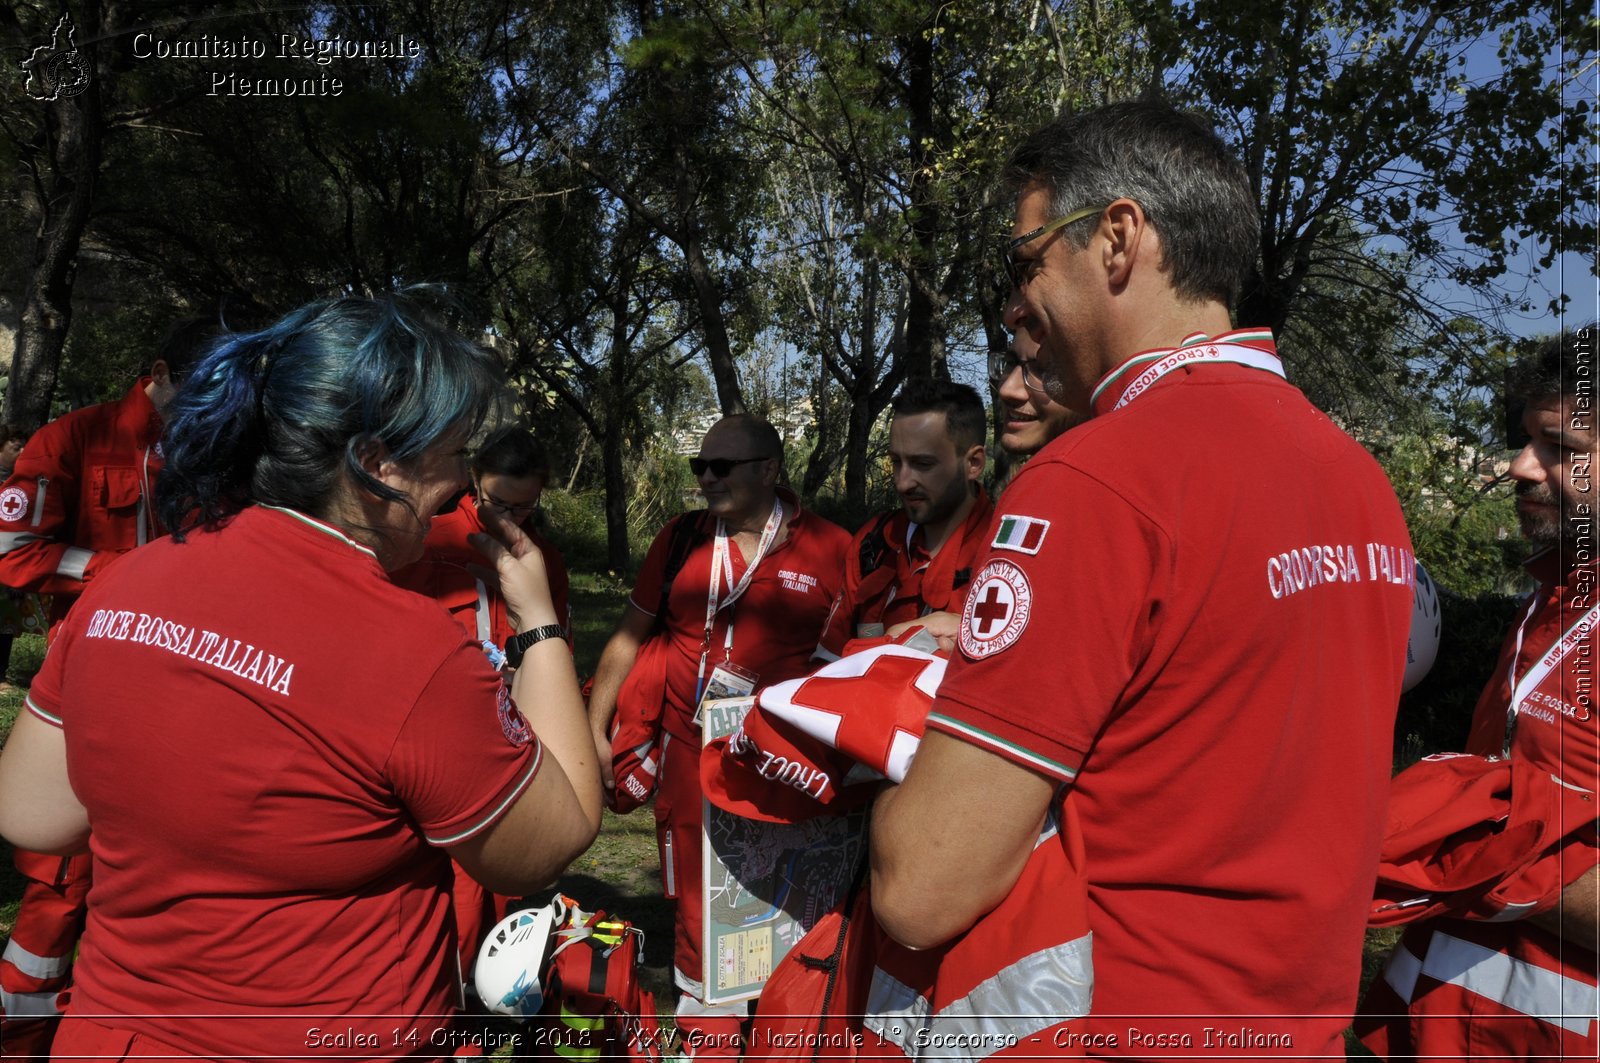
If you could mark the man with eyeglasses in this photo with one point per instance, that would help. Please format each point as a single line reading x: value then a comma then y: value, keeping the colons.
x: 1192, y: 619
x: 916, y: 560
x: 728, y: 597
x: 79, y: 497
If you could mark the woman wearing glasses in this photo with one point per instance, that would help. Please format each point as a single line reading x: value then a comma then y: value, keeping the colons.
x: 1032, y: 417
x: 509, y: 473
x: 275, y: 747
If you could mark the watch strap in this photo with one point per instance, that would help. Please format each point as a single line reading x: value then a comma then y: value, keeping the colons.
x: 517, y: 645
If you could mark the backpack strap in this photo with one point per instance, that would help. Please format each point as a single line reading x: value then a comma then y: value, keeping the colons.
x: 831, y: 964
x: 688, y: 532
x: 875, y: 546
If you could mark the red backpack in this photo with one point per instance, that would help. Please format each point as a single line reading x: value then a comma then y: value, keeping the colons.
x: 593, y: 1006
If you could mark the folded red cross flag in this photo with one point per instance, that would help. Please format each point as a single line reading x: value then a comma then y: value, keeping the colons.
x: 823, y: 743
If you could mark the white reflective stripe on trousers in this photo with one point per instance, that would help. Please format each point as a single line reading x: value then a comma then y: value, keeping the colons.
x: 1547, y: 995
x: 1033, y: 994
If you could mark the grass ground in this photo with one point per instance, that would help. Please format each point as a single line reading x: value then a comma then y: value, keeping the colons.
x: 619, y: 874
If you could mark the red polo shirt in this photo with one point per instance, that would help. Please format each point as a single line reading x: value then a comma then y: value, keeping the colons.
x: 775, y: 622
x: 273, y: 742
x: 1196, y: 613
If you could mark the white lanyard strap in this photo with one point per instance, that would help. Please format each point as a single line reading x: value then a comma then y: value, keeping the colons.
x: 1541, y: 669
x: 722, y: 568
x: 481, y: 611
x: 1160, y: 363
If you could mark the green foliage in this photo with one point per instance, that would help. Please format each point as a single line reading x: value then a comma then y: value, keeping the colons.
x: 1363, y: 121
x: 576, y: 522
x: 1464, y: 529
x: 597, y: 598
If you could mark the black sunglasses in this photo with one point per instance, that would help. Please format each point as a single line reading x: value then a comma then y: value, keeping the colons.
x: 720, y: 467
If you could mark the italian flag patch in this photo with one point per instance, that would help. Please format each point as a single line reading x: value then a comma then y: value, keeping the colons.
x: 1022, y: 534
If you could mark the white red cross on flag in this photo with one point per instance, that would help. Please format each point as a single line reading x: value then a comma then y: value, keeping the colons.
x: 871, y: 705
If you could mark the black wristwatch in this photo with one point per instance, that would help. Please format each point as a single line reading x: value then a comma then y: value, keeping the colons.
x: 517, y: 645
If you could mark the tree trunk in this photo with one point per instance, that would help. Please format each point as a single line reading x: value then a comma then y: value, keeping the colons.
x: 47, y: 299
x: 819, y: 465
x: 708, y: 296
x: 855, y: 456
x: 924, y: 343
x: 613, y: 461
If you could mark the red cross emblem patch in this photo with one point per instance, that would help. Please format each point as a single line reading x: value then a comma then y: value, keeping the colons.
x: 13, y: 504
x: 997, y: 609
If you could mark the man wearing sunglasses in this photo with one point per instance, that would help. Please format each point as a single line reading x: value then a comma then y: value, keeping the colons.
x: 916, y: 560
x: 731, y: 596
x: 1192, y: 619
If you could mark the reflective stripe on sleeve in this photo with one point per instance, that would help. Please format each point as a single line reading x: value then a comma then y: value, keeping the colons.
x: 32, y: 964
x: 9, y: 541
x: 29, y: 1005
x: 1547, y: 995
x: 74, y: 562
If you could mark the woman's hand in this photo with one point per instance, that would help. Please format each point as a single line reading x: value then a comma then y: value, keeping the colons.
x: 518, y: 567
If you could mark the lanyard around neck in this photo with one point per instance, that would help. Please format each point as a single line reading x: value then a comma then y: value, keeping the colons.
x: 1146, y: 369
x: 722, y: 569
x: 1579, y: 630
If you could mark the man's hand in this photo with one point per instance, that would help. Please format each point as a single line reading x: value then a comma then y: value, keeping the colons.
x: 1576, y: 918
x: 602, y: 749
x: 941, y: 625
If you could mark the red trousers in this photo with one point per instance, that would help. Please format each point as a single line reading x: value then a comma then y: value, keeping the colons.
x: 708, y: 1031
x: 84, y: 1039
x: 37, y: 962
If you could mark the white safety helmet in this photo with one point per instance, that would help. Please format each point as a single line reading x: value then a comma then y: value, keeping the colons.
x: 512, y: 960
x: 1425, y: 626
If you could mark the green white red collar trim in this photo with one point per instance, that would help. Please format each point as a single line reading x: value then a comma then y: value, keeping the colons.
x: 321, y: 526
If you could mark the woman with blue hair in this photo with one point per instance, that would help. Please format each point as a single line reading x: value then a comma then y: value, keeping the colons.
x: 277, y: 749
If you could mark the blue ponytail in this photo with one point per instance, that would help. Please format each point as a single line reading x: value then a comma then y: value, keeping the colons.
x: 278, y: 416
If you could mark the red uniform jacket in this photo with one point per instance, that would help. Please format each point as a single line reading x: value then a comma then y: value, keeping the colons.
x: 1486, y: 983
x: 889, y: 578
x: 80, y: 495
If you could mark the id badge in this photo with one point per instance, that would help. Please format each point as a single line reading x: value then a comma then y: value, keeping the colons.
x: 727, y: 680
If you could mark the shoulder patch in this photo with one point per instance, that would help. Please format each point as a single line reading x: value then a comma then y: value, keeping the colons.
x: 1022, y: 534
x: 13, y: 503
x: 512, y: 722
x: 997, y: 609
